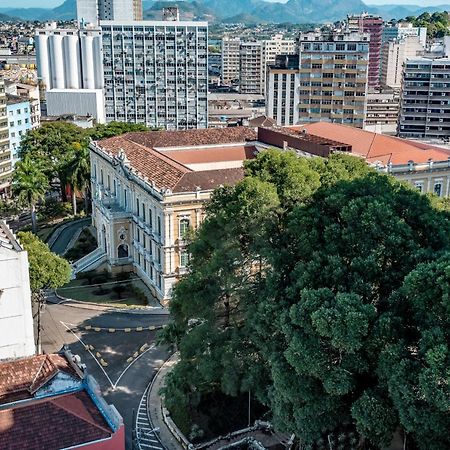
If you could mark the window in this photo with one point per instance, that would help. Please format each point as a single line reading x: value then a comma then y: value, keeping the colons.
x: 137, y: 207
x: 184, y: 227
x: 150, y: 218
x: 438, y: 189
x: 184, y: 258
x: 143, y: 212
x: 159, y: 226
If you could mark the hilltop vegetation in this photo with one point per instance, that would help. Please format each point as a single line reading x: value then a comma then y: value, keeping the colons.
x: 437, y: 24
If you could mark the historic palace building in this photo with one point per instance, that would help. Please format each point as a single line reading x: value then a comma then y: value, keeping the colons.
x: 150, y: 188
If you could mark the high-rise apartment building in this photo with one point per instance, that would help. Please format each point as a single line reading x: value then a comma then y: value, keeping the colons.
x: 283, y: 81
x: 230, y: 60
x: 5, y: 153
x: 156, y: 73
x: 382, y: 111
x: 333, y: 77
x: 251, y: 70
x: 91, y: 11
x: 425, y: 99
x: 246, y: 63
x: 394, y: 55
x: 19, y: 122
x: 373, y: 25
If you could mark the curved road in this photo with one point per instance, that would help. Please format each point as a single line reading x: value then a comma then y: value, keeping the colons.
x: 61, y: 243
x: 132, y: 357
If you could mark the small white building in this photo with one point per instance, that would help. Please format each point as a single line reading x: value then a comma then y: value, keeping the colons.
x: 16, y: 319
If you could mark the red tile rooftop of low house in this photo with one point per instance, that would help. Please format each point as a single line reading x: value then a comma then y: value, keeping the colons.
x: 20, y: 378
x: 52, y: 423
x: 376, y: 147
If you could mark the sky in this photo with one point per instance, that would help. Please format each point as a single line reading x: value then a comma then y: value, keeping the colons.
x: 53, y: 3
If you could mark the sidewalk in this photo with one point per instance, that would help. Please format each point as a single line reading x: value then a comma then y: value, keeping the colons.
x: 155, y: 407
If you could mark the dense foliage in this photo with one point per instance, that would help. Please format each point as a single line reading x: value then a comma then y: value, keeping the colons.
x: 60, y: 151
x: 437, y: 24
x: 306, y: 289
x: 47, y: 270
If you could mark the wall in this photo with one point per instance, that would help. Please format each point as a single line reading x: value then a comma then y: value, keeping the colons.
x: 16, y: 323
x: 81, y: 102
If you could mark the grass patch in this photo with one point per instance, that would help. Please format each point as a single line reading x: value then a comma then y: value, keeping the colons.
x: 104, y: 289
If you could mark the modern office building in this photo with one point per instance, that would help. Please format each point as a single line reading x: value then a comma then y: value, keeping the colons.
x: 70, y: 71
x: 5, y: 153
x: 156, y: 73
x: 425, y: 99
x: 394, y: 55
x: 16, y: 319
x: 230, y: 60
x: 91, y: 11
x: 19, y: 122
x: 283, y: 82
x: 382, y: 111
x: 399, y: 30
x: 333, y: 77
x: 373, y: 25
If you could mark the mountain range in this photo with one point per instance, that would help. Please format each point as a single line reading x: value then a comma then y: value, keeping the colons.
x: 250, y: 11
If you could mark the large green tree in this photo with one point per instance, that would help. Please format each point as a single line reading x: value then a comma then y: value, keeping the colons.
x: 52, y: 145
x: 29, y: 185
x: 294, y: 294
x: 47, y: 270
x: 79, y: 171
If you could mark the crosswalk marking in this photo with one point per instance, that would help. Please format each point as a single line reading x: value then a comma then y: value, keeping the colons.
x: 146, y: 436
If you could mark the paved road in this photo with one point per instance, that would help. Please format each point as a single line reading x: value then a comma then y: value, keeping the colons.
x: 132, y: 358
x: 66, y: 235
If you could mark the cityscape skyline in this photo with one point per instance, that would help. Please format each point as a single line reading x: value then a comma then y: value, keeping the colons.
x: 55, y: 3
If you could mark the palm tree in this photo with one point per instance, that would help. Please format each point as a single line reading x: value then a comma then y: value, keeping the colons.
x: 78, y: 174
x: 30, y: 185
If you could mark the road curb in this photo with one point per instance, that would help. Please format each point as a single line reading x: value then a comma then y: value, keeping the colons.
x: 146, y: 310
x: 113, y: 330
x: 173, y: 440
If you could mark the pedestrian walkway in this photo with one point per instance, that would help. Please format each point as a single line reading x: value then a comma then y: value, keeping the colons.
x: 145, y: 431
x: 155, y: 406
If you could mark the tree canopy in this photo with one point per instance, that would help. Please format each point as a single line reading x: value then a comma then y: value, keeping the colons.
x: 296, y: 293
x: 437, y: 23
x: 47, y: 270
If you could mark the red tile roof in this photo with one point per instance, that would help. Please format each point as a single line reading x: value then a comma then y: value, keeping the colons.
x: 53, y: 423
x: 209, y: 179
x: 376, y: 147
x: 166, y: 168
x: 188, y: 138
x: 20, y: 378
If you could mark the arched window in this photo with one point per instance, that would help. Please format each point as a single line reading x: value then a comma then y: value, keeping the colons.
x: 184, y: 227
x: 122, y: 251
